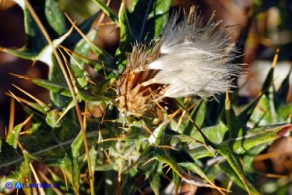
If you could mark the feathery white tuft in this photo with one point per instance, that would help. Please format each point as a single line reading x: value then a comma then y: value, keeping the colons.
x: 194, y: 58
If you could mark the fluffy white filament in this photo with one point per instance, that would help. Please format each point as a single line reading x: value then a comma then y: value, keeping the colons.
x: 194, y: 58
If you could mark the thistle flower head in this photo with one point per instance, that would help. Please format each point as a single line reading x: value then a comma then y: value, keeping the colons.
x: 191, y: 59
x: 133, y: 97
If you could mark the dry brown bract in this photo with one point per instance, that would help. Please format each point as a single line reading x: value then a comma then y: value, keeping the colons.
x: 134, y: 98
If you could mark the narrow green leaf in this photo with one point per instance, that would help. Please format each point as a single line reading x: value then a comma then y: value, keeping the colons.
x: 258, y: 136
x: 227, y: 169
x: 61, y: 89
x: 93, y: 157
x: 35, y: 41
x: 176, y: 179
x: 197, y: 115
x: 246, y: 114
x: 153, y: 172
x: 67, y: 167
x: 53, y: 86
x: 262, y: 113
x: 229, y: 118
x: 12, y: 137
x: 282, y: 93
x: 25, y: 173
x: 107, y: 11
x: 57, y: 96
x: 201, y: 152
x: 55, y: 17
x: 164, y: 157
x: 233, y: 161
x: 77, y: 145
x: 78, y: 64
x: 21, y: 53
x: 268, y: 81
x: 192, y: 166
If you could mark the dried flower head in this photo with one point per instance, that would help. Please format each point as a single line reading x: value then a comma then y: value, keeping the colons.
x: 190, y: 59
x: 133, y: 97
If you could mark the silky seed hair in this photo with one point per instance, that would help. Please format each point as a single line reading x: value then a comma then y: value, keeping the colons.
x: 190, y: 59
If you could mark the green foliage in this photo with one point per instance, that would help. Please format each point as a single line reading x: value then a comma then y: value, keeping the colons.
x: 197, y: 143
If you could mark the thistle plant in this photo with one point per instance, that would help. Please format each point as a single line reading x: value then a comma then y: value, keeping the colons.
x: 164, y: 118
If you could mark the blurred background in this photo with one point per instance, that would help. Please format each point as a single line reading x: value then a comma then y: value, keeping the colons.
x: 260, y: 26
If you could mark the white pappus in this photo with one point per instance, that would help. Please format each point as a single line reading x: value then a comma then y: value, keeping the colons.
x: 193, y: 58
